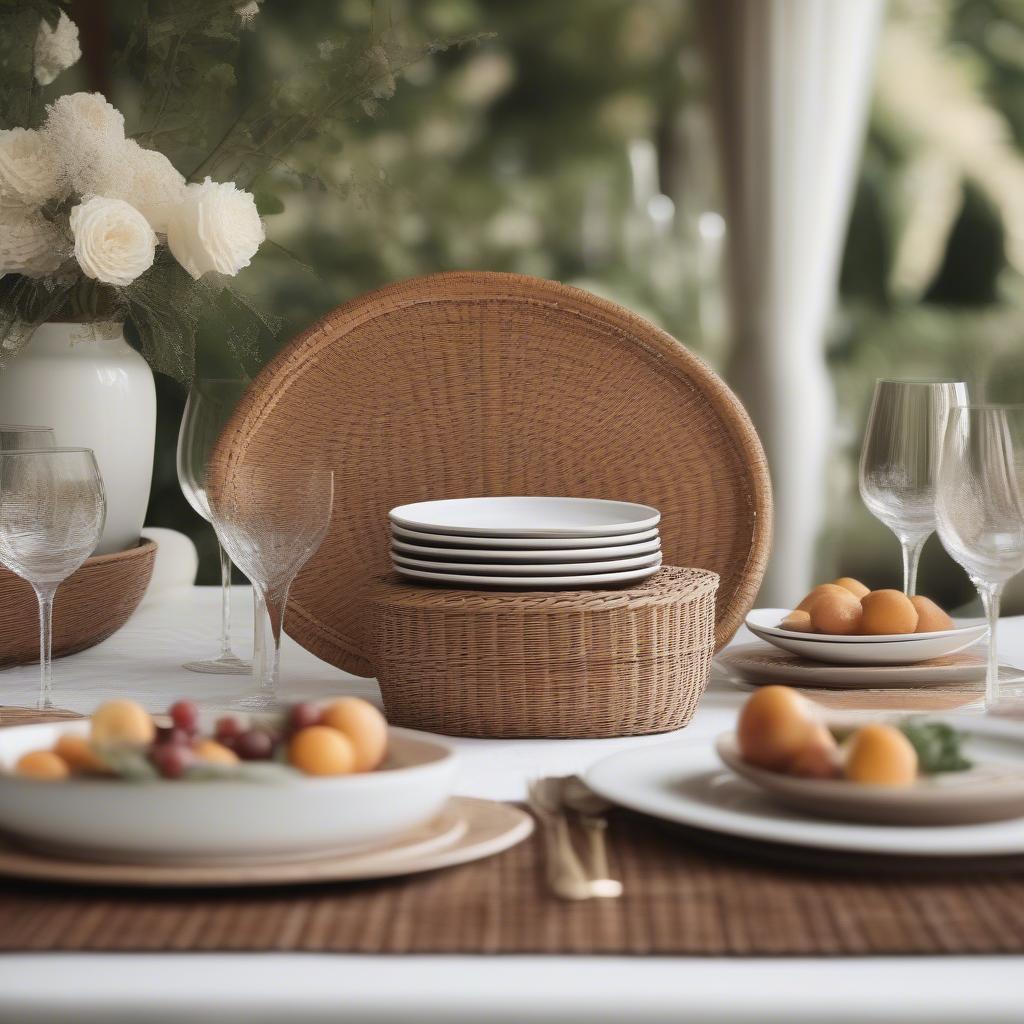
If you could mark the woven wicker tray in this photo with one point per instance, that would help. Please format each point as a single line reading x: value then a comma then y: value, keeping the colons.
x: 495, y: 384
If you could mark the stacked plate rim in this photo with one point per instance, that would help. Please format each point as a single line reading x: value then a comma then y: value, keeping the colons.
x: 525, y: 542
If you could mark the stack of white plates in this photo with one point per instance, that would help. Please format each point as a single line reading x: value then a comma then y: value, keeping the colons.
x: 526, y: 542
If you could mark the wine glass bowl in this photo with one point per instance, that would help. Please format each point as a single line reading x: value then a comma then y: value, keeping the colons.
x: 271, y: 521
x: 899, y: 460
x: 980, y: 506
x: 52, y: 513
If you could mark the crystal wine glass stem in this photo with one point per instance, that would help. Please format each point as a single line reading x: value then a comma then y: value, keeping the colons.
x: 274, y: 601
x: 225, y: 601
x: 44, y: 594
x: 911, y: 546
x: 990, y: 596
x: 259, y: 634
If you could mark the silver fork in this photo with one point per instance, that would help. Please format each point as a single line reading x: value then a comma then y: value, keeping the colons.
x: 591, y: 811
x: 565, y: 875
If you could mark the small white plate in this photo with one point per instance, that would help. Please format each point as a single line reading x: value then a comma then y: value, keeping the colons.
x: 449, y: 540
x: 684, y: 782
x: 536, y: 556
x: 896, y: 649
x: 532, y: 582
x: 526, y: 517
x: 487, y: 569
x: 286, y: 816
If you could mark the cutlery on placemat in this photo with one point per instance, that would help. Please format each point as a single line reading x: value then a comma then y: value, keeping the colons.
x: 591, y: 811
x: 549, y: 799
x: 565, y: 874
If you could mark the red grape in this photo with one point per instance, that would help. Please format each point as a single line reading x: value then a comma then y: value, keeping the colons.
x: 172, y: 735
x: 254, y: 745
x: 302, y: 716
x: 185, y: 715
x: 228, y: 728
x: 171, y: 761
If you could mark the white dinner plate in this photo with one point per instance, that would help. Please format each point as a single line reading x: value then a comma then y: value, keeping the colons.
x: 449, y: 540
x: 526, y: 517
x: 532, y: 582
x: 684, y: 782
x: 284, y: 816
x: 488, y: 569
x: 895, y: 649
x: 536, y: 555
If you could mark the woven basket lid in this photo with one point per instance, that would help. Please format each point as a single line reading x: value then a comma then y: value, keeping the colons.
x: 473, y: 383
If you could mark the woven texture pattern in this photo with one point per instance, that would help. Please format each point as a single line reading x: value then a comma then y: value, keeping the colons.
x: 469, y: 384
x: 94, y: 602
x: 679, y: 899
x: 581, y: 663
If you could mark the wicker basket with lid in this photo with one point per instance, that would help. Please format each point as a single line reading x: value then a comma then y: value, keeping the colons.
x: 581, y: 663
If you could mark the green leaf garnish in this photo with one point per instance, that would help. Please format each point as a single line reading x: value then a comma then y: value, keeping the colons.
x: 938, y: 746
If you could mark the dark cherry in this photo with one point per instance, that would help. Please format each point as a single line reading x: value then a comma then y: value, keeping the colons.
x: 254, y: 745
x: 228, y: 728
x: 302, y: 716
x: 172, y: 735
x: 185, y: 715
x: 171, y: 761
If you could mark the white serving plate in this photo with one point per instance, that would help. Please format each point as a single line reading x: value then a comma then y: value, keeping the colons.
x: 526, y: 517
x: 288, y: 816
x: 450, y: 540
x: 894, y: 649
x: 536, y: 556
x: 684, y: 782
x: 532, y: 582
x: 487, y: 569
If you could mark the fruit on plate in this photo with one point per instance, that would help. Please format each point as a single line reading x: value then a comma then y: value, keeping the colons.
x: 855, y: 587
x: 44, y: 765
x: 836, y: 612
x: 121, y: 721
x: 780, y: 730
x: 365, y: 727
x: 888, y: 611
x: 930, y: 617
x: 880, y: 755
x: 125, y: 741
x: 775, y: 725
x: 322, y: 750
x: 847, y: 608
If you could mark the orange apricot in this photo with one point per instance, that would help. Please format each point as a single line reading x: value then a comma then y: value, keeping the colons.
x: 880, y: 755
x: 44, y: 765
x: 321, y: 750
x: 930, y: 617
x: 365, y: 727
x: 774, y: 725
x: 886, y: 612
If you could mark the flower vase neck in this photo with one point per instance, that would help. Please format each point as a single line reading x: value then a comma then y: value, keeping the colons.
x: 88, y: 339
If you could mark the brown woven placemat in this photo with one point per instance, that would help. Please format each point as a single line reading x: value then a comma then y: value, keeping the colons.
x: 682, y: 897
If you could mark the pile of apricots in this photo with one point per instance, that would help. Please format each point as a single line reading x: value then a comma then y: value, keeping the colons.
x: 348, y: 735
x: 782, y: 731
x: 846, y: 607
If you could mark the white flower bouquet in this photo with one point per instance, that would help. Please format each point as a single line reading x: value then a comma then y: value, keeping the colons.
x: 97, y: 223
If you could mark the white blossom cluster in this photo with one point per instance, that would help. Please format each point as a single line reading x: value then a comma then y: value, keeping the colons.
x: 125, y: 200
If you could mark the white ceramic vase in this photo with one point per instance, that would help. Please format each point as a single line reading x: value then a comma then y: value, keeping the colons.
x: 95, y: 391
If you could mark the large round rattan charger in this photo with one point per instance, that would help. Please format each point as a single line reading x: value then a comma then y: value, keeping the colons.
x: 468, y: 384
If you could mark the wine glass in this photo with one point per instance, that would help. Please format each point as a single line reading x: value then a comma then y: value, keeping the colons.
x: 899, y: 459
x: 980, y: 506
x: 14, y: 437
x: 52, y: 511
x: 210, y: 404
x: 271, y: 521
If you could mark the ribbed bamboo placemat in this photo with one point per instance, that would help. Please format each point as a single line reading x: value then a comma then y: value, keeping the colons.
x: 682, y: 896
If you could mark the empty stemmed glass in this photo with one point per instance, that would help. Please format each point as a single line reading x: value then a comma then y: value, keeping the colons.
x: 52, y: 511
x: 210, y: 404
x: 980, y: 507
x: 899, y: 460
x: 271, y: 521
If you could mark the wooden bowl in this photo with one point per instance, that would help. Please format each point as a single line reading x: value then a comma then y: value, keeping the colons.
x: 94, y: 602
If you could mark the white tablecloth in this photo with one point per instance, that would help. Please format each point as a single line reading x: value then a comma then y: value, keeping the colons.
x: 143, y: 661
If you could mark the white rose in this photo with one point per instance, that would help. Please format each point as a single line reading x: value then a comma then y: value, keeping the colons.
x: 247, y: 12
x: 28, y: 170
x: 147, y: 180
x: 56, y: 48
x: 113, y: 241
x: 215, y: 226
x: 86, y: 135
x: 29, y: 243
